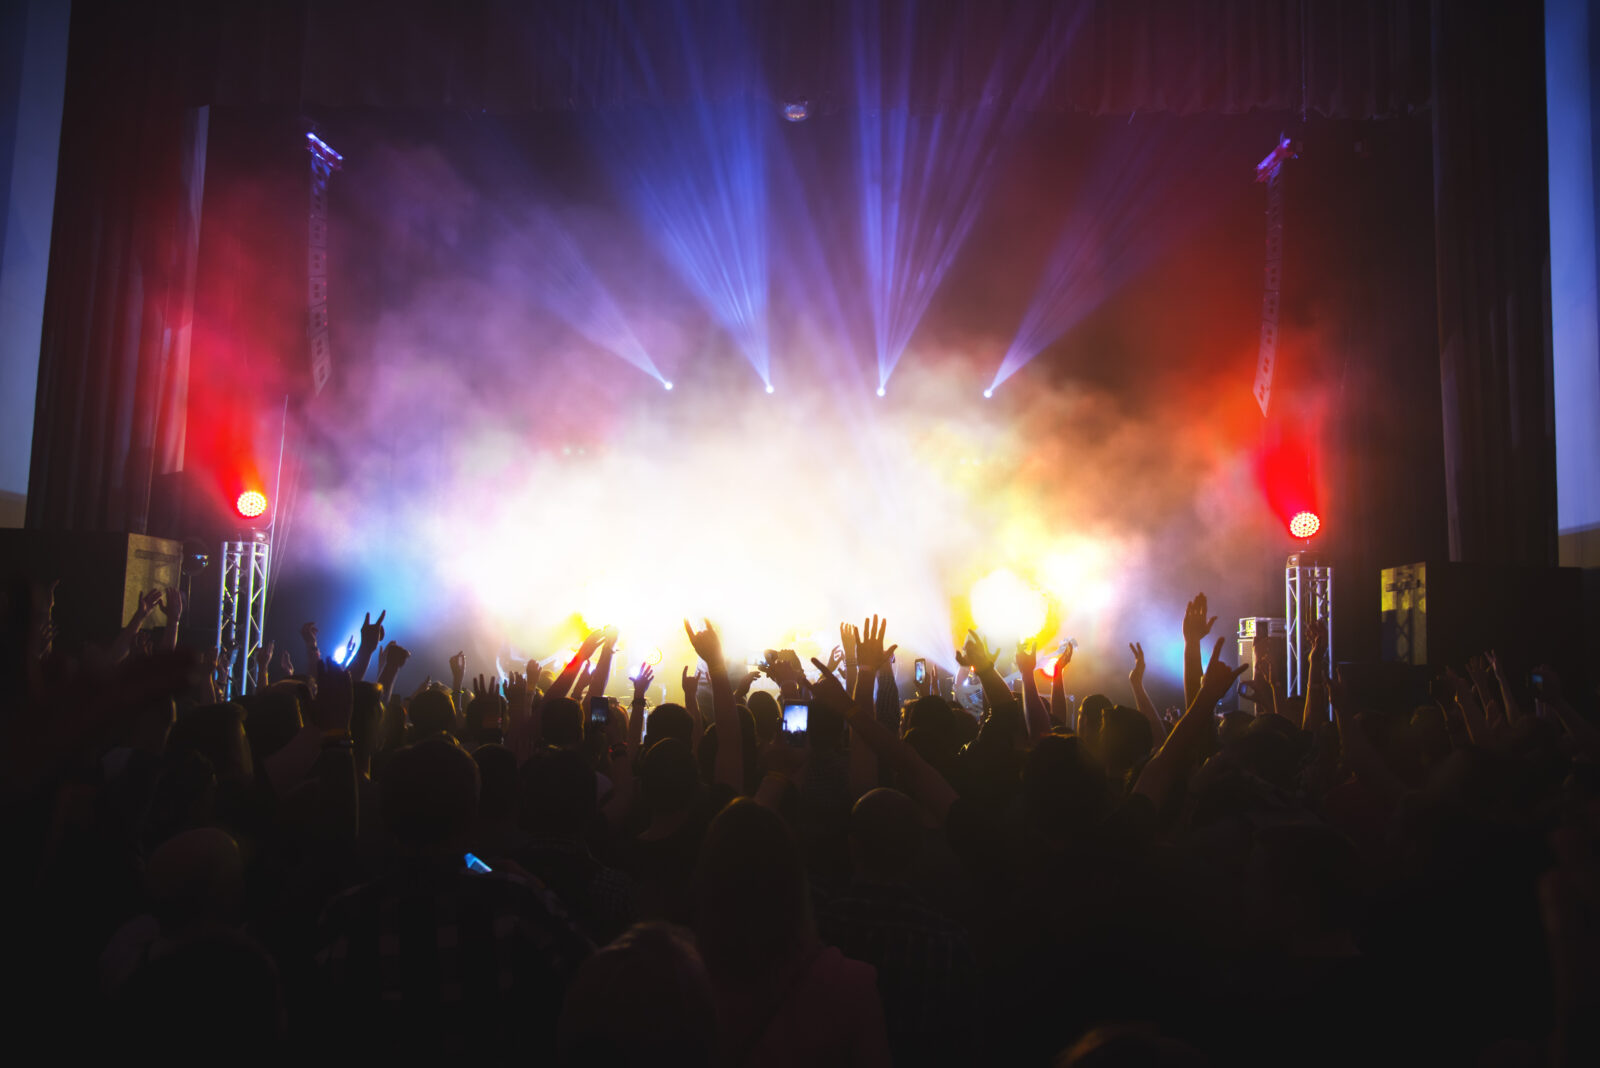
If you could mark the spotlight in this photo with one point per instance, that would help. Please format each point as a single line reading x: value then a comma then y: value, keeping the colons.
x: 881, y: 391
x: 251, y: 503
x: 323, y: 151
x: 796, y: 111
x: 988, y: 393
x: 769, y: 387
x: 1304, y: 524
x: 666, y: 385
x: 1004, y: 604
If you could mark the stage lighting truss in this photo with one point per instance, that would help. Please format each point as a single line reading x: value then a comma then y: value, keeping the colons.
x: 1307, y: 599
x: 324, y: 161
x: 242, y: 601
x: 1270, y: 171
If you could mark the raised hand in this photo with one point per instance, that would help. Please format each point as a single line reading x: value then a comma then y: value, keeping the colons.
x: 1478, y: 670
x: 1136, y: 676
x: 482, y: 687
x: 782, y: 671
x: 1027, y: 658
x: 518, y: 700
x: 741, y: 689
x: 871, y: 656
x: 395, y: 656
x: 308, y: 635
x: 172, y: 603
x: 1196, y: 625
x: 285, y: 664
x: 706, y: 643
x: 1063, y: 659
x: 350, y: 648
x: 691, y: 686
x: 1319, y: 640
x: 976, y: 654
x: 1219, y: 677
x: 372, y: 632
x: 263, y: 659
x: 828, y: 690
x: 848, y: 637
x: 836, y: 658
x: 641, y: 683
x: 458, y: 669
x: 1460, y: 687
x: 592, y: 641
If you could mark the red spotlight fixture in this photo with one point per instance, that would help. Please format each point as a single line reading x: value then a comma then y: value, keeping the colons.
x: 1305, y: 524
x: 251, y: 504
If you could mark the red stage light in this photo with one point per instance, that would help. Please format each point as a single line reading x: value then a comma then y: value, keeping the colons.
x: 1304, y: 524
x: 251, y: 503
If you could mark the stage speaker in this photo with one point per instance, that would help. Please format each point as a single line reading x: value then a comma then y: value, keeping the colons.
x: 101, y: 576
x: 1439, y: 614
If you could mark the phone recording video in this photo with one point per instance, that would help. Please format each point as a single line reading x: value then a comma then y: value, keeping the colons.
x: 796, y: 714
x: 599, y: 711
x: 921, y: 669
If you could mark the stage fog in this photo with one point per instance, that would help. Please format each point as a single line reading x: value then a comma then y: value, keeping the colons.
x: 554, y: 340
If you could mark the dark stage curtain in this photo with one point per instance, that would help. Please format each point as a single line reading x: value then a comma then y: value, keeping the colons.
x: 1491, y: 219
x: 1352, y: 59
x: 113, y: 366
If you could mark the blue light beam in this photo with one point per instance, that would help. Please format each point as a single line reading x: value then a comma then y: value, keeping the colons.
x: 924, y: 176
x: 568, y: 287
x: 696, y: 174
x: 1137, y: 201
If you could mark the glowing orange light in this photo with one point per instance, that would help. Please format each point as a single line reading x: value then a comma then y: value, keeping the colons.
x: 1304, y: 524
x: 251, y: 503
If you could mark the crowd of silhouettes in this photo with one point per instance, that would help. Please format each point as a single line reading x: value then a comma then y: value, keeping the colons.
x: 509, y: 872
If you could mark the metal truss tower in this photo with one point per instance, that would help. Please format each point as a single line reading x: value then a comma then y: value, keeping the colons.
x: 242, y: 602
x: 1307, y: 599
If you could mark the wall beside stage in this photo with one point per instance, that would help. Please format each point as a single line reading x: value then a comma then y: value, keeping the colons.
x: 33, y: 75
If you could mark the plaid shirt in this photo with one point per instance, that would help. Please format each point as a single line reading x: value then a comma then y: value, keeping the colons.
x: 926, y: 970
x: 433, y: 951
